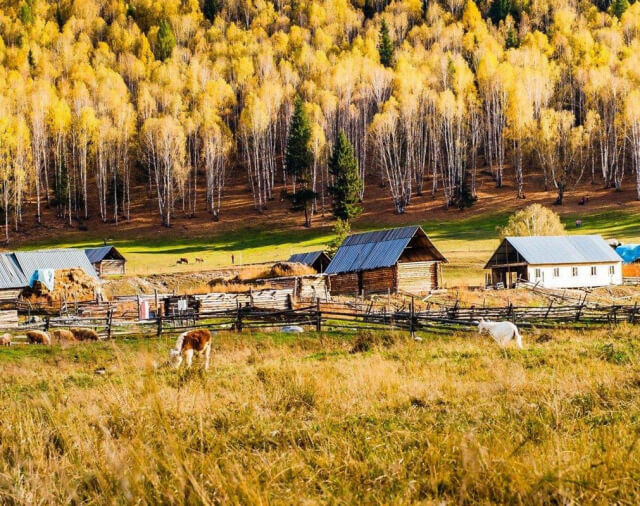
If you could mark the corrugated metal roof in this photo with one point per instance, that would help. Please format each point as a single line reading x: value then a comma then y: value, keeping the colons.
x: 564, y: 249
x: 11, y: 276
x: 629, y: 252
x: 98, y: 254
x: 372, y: 250
x: 305, y: 258
x: 63, y: 258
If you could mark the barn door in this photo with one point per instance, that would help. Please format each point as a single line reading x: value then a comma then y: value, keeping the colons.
x: 360, y: 283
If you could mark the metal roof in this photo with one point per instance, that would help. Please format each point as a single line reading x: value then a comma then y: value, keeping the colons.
x: 564, y: 249
x: 98, y: 254
x: 373, y: 250
x: 629, y: 252
x: 11, y: 276
x: 63, y: 258
x: 305, y: 258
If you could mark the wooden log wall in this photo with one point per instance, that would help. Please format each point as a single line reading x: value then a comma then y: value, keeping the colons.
x: 417, y: 277
x: 110, y: 267
x: 379, y: 280
x: 344, y: 284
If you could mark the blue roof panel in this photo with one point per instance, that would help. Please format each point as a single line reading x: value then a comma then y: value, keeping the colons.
x: 629, y: 252
x: 373, y: 250
x: 305, y: 258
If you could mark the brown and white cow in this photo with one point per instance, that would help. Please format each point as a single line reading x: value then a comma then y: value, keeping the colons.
x: 5, y: 340
x: 85, y: 334
x: 60, y: 335
x: 189, y: 343
x: 38, y: 337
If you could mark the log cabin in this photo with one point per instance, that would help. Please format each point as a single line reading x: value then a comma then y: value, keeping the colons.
x: 319, y: 260
x: 395, y: 260
x: 106, y: 260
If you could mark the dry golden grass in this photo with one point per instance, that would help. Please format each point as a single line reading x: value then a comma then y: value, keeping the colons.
x: 308, y: 419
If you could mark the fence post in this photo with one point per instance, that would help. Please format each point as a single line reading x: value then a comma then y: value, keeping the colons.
x: 159, y: 324
x: 548, y: 309
x: 411, y: 322
x: 632, y: 317
x: 238, y: 318
x: 318, y: 316
x: 578, y: 312
x: 109, y: 322
x: 47, y: 323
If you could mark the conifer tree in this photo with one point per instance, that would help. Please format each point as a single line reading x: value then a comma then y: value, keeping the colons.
x: 385, y: 45
x: 341, y: 229
x: 619, y: 7
x: 26, y: 13
x: 299, y: 158
x: 343, y: 166
x: 210, y: 8
x: 166, y: 40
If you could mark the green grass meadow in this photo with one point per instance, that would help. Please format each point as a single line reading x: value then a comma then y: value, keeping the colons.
x: 466, y: 242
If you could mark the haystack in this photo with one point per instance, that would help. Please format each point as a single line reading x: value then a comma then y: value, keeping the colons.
x: 69, y: 285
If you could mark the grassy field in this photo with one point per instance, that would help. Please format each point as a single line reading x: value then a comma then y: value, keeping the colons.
x: 466, y: 242
x: 281, y: 419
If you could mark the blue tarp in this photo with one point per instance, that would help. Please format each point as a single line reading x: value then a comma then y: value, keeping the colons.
x: 44, y: 276
x: 629, y: 252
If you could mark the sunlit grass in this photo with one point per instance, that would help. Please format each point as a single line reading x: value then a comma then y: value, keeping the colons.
x: 290, y: 419
x: 467, y: 243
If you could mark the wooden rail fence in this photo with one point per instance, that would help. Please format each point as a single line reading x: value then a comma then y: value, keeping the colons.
x: 321, y: 316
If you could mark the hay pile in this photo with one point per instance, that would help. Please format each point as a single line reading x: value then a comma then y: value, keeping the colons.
x: 69, y: 285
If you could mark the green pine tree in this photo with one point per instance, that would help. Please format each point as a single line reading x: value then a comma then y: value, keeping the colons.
x: 619, y: 7
x: 499, y: 10
x: 210, y: 9
x: 26, y: 13
x: 299, y: 159
x: 385, y: 45
x: 341, y: 230
x: 166, y: 41
x: 343, y: 166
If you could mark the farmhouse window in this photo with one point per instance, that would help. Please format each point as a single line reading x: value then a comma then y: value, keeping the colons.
x: 593, y: 270
x: 612, y: 270
x: 556, y: 272
x: 574, y: 271
x: 538, y: 273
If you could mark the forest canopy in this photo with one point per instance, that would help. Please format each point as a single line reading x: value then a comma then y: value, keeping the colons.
x: 98, y: 96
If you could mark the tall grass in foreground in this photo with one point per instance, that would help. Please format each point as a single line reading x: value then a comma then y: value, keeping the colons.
x: 325, y: 419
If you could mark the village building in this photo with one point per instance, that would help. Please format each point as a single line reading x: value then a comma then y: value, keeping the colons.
x: 22, y: 269
x: 319, y: 260
x: 106, y: 260
x: 569, y: 261
x: 395, y: 260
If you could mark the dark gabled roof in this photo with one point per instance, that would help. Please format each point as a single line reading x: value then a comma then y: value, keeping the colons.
x: 561, y: 249
x: 306, y: 258
x: 98, y: 254
x: 11, y: 276
x: 373, y: 250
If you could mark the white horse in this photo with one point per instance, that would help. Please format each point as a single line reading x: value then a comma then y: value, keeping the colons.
x: 502, y: 332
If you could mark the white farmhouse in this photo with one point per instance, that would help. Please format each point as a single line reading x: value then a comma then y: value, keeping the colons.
x: 567, y: 261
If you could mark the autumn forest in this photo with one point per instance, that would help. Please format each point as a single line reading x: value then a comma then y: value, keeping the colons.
x: 98, y: 96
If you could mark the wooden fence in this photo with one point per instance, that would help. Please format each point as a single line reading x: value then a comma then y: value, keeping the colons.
x: 328, y: 316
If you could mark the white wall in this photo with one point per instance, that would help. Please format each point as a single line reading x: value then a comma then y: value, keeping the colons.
x: 566, y: 279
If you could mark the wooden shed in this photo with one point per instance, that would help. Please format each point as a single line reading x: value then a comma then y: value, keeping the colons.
x: 12, y: 279
x: 319, y: 260
x: 106, y: 260
x: 395, y: 260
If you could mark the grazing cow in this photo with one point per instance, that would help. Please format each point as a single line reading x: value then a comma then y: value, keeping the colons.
x: 38, y: 337
x: 183, y: 261
x: 85, y: 334
x: 62, y: 335
x: 5, y: 340
x: 502, y: 332
x: 199, y: 260
x: 193, y: 341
